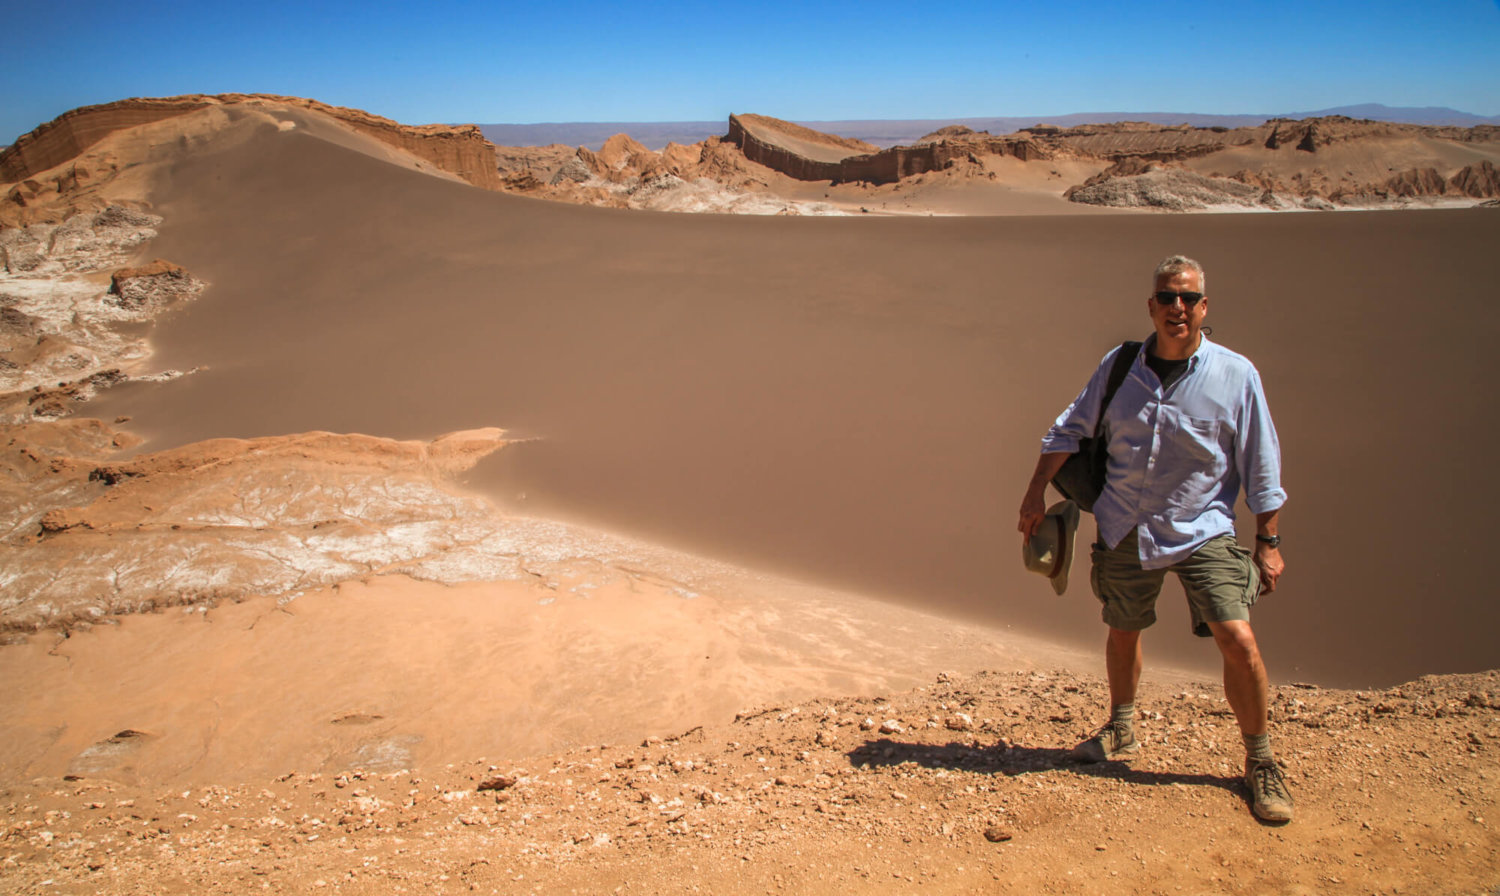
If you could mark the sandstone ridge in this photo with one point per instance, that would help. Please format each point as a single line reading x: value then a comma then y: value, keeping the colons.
x: 1282, y: 164
x: 461, y: 150
x: 774, y: 144
x: 1358, y: 157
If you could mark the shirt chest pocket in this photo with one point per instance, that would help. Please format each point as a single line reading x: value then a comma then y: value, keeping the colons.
x: 1194, y: 440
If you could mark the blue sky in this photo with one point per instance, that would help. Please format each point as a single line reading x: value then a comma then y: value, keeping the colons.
x: 593, y: 61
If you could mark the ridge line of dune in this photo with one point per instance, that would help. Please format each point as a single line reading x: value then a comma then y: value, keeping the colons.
x: 457, y: 149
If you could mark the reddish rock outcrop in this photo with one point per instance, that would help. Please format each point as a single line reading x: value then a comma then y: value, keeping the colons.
x: 1480, y: 181
x: 1417, y: 182
x: 152, y: 286
x: 951, y: 132
x: 788, y: 148
x: 460, y: 150
x: 1136, y: 139
x: 70, y: 134
x: 1271, y: 157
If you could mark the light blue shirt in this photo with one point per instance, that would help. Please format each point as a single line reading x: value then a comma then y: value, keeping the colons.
x: 1177, y: 456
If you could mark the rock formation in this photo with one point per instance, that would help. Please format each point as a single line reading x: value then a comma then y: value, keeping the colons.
x: 1417, y: 182
x: 63, y: 335
x: 153, y: 286
x: 712, y: 176
x: 460, y: 150
x: 1269, y: 168
x: 1171, y: 190
x: 1480, y: 181
x: 229, y: 518
x: 804, y: 154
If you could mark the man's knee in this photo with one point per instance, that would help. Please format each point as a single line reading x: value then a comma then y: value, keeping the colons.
x: 1236, y: 641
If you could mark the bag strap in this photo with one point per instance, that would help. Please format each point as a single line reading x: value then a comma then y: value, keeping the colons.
x: 1117, y: 374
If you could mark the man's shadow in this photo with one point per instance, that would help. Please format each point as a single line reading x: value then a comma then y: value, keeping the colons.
x: 1014, y: 759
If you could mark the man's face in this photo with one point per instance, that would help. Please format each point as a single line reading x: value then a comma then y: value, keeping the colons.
x: 1176, y: 324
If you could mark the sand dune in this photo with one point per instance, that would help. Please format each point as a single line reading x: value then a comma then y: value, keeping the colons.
x: 852, y: 401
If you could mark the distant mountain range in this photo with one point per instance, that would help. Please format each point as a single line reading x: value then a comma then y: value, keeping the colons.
x: 883, y: 133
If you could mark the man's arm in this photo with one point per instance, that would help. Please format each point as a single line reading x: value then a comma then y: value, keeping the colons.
x: 1258, y: 456
x: 1079, y: 421
x: 1266, y: 557
x: 1034, y: 504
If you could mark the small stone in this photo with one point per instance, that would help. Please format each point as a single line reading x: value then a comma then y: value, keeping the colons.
x: 500, y: 782
x: 996, y: 834
x: 891, y: 726
x: 867, y: 725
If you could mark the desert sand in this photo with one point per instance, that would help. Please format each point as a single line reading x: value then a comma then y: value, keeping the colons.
x: 394, y: 533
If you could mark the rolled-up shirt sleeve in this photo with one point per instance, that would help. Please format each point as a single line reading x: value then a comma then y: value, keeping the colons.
x: 1258, y: 452
x: 1081, y: 417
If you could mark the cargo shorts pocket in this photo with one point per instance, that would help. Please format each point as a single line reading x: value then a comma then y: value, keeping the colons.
x: 1222, y: 582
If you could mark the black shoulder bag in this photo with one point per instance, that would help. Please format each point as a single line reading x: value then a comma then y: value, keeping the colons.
x: 1081, y: 478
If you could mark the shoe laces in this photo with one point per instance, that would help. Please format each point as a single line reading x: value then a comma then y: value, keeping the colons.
x: 1111, y: 729
x: 1269, y: 779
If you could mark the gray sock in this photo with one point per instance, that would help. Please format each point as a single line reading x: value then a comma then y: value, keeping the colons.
x: 1258, y: 746
x: 1123, y: 716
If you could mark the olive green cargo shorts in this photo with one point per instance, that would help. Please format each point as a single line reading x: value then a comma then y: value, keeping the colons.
x: 1220, y: 578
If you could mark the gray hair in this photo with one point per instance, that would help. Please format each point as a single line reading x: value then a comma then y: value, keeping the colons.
x: 1177, y: 264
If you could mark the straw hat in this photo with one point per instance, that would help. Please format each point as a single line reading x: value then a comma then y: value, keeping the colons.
x: 1050, y: 550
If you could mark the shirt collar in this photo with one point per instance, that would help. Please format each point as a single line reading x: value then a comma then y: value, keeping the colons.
x: 1196, y: 358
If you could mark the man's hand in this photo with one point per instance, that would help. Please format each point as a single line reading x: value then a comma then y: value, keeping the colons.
x: 1034, y: 505
x: 1033, y: 511
x: 1268, y: 559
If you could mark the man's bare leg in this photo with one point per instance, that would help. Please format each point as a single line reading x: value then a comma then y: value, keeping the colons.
x: 1248, y: 693
x: 1122, y: 662
x: 1245, y: 683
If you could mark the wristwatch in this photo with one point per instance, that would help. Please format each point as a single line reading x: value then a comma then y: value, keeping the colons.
x: 1272, y: 540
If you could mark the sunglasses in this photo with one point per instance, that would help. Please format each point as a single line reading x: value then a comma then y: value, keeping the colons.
x: 1189, y: 299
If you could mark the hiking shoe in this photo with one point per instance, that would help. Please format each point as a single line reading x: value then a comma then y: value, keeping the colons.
x: 1109, y: 742
x: 1270, y: 799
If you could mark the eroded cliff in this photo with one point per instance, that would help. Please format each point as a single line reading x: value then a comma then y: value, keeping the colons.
x: 460, y: 150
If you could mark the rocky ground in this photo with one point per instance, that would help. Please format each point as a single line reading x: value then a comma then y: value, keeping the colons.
x: 961, y: 786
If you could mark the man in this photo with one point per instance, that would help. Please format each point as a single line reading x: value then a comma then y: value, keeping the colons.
x: 1187, y: 427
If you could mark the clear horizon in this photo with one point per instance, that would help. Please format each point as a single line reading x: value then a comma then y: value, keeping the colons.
x: 596, y: 62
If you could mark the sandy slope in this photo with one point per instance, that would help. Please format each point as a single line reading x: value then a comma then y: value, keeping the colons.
x: 392, y: 672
